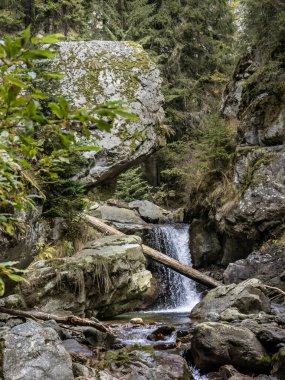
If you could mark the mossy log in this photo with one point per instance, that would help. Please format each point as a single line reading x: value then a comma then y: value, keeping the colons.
x: 183, y: 269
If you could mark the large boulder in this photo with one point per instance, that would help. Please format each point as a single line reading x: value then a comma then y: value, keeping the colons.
x: 248, y: 297
x: 267, y: 265
x: 33, y: 352
x: 100, y: 71
x: 144, y: 364
x: 149, y: 211
x: 118, y: 215
x: 106, y: 278
x: 215, y: 344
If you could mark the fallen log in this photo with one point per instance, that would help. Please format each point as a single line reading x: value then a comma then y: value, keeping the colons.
x: 183, y: 269
x: 72, y: 320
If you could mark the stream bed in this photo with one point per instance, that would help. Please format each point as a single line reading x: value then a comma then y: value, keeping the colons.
x: 177, y: 297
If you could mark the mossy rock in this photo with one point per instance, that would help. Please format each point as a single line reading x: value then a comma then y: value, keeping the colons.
x: 100, y: 71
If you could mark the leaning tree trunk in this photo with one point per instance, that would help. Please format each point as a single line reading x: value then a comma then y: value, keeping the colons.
x: 183, y: 269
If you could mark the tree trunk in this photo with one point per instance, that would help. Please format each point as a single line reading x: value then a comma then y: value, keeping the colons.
x: 183, y: 269
x: 69, y: 320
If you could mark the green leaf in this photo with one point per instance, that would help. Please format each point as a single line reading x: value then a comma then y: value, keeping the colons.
x: 15, y: 81
x: 16, y: 278
x: 50, y: 39
x: 26, y: 36
x: 56, y: 110
x: 127, y: 115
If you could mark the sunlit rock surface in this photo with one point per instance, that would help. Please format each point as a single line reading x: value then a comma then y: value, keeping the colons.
x: 100, y: 71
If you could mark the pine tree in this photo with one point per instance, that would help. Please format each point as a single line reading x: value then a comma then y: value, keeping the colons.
x: 62, y: 16
x: 264, y: 22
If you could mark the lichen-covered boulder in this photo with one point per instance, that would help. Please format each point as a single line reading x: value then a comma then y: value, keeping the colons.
x: 33, y: 352
x: 248, y: 297
x: 215, y: 344
x: 106, y: 278
x: 100, y: 71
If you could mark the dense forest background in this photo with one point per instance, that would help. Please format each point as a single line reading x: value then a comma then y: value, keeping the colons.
x: 196, y: 44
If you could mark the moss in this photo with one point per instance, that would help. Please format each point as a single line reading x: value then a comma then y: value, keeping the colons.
x: 266, y: 360
x: 250, y: 178
x: 126, y: 356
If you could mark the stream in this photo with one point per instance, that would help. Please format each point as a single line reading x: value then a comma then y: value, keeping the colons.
x: 178, y: 296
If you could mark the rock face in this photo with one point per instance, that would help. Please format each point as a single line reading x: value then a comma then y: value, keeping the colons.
x: 100, y: 71
x: 254, y: 102
x: 106, y: 278
x: 253, y: 105
x: 245, y: 298
x: 204, y: 245
x: 34, y: 352
x: 216, y: 344
x: 268, y: 266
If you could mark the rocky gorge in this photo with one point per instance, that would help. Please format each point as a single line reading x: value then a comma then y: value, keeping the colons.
x: 75, y: 274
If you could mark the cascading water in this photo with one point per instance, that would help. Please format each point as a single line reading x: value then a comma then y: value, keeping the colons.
x: 179, y: 294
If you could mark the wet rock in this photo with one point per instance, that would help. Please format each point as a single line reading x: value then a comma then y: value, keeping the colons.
x: 34, y: 352
x: 137, y: 321
x: 161, y: 333
x: 279, y: 364
x: 248, y: 297
x: 73, y: 347
x: 97, y: 338
x: 204, y: 244
x: 106, y: 278
x: 215, y: 344
x: 99, y: 71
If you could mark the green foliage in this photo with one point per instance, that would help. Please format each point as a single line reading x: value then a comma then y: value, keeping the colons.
x: 215, y: 143
x: 38, y: 139
x: 264, y: 23
x: 132, y: 186
x: 8, y: 270
x: 192, y: 167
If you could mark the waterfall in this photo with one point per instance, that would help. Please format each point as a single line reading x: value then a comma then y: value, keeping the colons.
x: 178, y: 294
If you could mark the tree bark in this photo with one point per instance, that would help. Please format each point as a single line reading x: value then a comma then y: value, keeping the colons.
x: 183, y: 269
x: 69, y: 320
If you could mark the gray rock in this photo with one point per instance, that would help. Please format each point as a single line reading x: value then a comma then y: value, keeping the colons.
x: 145, y: 364
x: 228, y: 372
x: 247, y: 297
x: 215, y: 344
x: 118, y: 214
x: 149, y: 211
x: 279, y: 364
x: 106, y: 278
x: 266, y: 265
x: 204, y: 244
x: 272, y: 337
x: 33, y: 352
x: 100, y: 71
